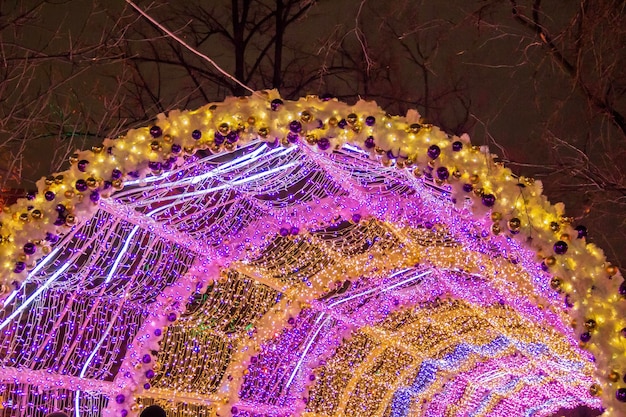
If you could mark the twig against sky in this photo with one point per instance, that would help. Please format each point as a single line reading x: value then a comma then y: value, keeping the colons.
x: 183, y: 43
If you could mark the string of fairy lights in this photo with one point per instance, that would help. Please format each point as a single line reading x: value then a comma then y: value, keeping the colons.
x: 239, y: 258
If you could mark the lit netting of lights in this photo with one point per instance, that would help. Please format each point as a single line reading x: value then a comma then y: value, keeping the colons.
x: 261, y: 257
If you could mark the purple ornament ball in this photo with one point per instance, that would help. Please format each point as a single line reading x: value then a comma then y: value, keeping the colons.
x: 434, y: 151
x: 582, y: 231
x: 370, y: 120
x: 620, y: 394
x: 560, y: 247
x: 489, y: 200
x: 155, y: 131
x: 30, y: 248
x: 276, y: 103
x: 369, y: 142
x: 443, y: 173
x: 120, y: 398
x: 146, y: 358
x: 323, y: 144
x: 196, y: 135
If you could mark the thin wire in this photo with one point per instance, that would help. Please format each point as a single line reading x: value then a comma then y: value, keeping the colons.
x: 179, y: 40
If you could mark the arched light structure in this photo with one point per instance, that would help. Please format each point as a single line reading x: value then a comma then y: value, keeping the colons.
x: 260, y: 257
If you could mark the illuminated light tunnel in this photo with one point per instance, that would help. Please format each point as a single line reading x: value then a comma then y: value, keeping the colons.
x: 264, y: 257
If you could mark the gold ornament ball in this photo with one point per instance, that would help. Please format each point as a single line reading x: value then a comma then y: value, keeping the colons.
x: 495, y: 229
x: 58, y: 179
x: 613, y: 376
x: 474, y: 179
x: 555, y: 283
x: 595, y: 390
x: 414, y: 128
x: 69, y: 194
x: 456, y: 174
x: 311, y: 139
x: 565, y: 237
x: 417, y: 172
x: 24, y: 217
x: 97, y: 148
x: 155, y: 145
x: 251, y: 120
x: 305, y: 116
x: 351, y: 118
x: 229, y: 146
x: 264, y: 132
x: 515, y: 224
x: 496, y: 216
x: 167, y: 139
x: 49, y: 180
x: 70, y: 220
x: 611, y: 270
x: 590, y: 324
x: 479, y: 192
x: 224, y: 128
x: 554, y: 226
x: 91, y: 183
x: 74, y: 158
x: 333, y: 121
x: 37, y: 214
x: 550, y: 261
x: 117, y: 184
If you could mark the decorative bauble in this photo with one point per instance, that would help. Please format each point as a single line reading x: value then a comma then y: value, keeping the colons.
x: 582, y: 231
x: 555, y: 283
x: 433, y: 151
x: 495, y: 229
x: 611, y: 270
x: 323, y: 144
x: 295, y: 126
x: 496, y: 216
x: 590, y: 324
x: 155, y: 145
x: 443, y: 173
x: 457, y: 146
x: 474, y: 179
x: 276, y: 103
x: 554, y: 226
x: 36, y: 214
x: 30, y: 248
x: 155, y: 131
x: 613, y: 376
x: 81, y: 185
x: 585, y: 337
x: 196, y: 134
x: 369, y: 142
x: 550, y: 261
x: 352, y: 118
x: 488, y: 200
x: 82, y: 165
x: 49, y: 195
x: 264, y: 132
x: 620, y: 395
x: 305, y: 116
x: 595, y: 390
x: 70, y: 220
x: 515, y: 225
x: 560, y: 247
x: 370, y: 120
